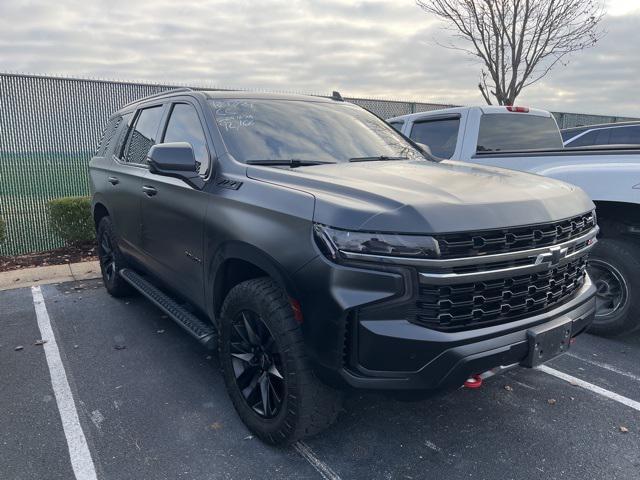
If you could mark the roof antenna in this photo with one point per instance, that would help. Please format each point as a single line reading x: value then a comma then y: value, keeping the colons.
x: 336, y: 96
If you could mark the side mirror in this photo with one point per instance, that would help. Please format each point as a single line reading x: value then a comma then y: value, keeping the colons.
x: 175, y: 160
x: 424, y: 147
x: 426, y: 152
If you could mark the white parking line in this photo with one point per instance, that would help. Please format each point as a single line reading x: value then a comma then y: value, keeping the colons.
x: 606, y: 366
x: 81, y: 460
x: 322, y: 468
x: 591, y: 387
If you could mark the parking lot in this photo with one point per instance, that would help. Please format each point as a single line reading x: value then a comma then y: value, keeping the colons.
x: 151, y: 404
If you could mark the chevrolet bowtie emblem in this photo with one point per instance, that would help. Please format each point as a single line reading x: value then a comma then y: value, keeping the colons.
x: 553, y: 256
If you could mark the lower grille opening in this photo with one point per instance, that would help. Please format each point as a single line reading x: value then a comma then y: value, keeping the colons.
x: 467, y: 306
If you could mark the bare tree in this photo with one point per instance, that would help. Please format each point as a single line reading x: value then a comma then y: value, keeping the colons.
x: 519, y: 41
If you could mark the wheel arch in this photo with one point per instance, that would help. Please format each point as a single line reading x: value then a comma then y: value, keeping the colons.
x: 237, y: 262
x: 99, y: 212
x: 618, y: 218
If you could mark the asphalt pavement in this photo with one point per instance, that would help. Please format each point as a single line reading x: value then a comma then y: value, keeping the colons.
x: 150, y: 404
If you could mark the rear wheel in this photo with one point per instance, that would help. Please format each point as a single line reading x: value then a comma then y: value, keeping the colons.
x: 265, y: 367
x: 111, y: 260
x: 614, y: 268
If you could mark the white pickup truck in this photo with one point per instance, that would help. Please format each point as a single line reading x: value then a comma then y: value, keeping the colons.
x: 526, y: 139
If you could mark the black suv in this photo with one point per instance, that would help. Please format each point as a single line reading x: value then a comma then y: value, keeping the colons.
x: 318, y: 249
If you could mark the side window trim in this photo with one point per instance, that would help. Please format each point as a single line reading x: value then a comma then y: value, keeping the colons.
x: 165, y: 124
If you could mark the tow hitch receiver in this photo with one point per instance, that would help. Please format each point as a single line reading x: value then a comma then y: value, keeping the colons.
x: 474, y: 381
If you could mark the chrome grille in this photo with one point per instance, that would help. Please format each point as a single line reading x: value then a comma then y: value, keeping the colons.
x: 464, y: 306
x: 469, y: 244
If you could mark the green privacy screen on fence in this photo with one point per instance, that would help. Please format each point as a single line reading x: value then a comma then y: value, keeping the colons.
x: 50, y: 126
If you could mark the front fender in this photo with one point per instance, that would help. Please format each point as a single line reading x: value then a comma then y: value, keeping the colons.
x: 237, y: 250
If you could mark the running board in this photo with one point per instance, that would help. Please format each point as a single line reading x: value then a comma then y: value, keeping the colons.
x: 205, y: 334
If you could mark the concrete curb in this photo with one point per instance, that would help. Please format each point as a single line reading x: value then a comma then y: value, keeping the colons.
x: 69, y: 272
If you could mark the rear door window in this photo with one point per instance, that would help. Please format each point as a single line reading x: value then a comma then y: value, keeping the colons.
x: 625, y: 135
x: 143, y: 135
x: 439, y: 135
x: 184, y: 126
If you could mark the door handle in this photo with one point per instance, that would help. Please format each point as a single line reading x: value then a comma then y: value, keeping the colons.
x: 150, y: 191
x: 113, y: 180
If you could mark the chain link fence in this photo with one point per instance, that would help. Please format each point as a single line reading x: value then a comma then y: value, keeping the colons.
x: 49, y: 129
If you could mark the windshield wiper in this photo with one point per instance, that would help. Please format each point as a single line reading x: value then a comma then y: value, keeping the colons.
x: 291, y: 162
x: 380, y: 158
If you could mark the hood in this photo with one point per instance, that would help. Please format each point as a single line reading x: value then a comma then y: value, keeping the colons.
x: 427, y: 197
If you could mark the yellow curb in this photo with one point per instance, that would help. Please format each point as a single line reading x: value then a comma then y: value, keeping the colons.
x: 27, y: 277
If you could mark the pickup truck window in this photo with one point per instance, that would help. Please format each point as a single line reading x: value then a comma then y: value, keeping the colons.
x: 625, y: 135
x: 184, y: 126
x: 517, y: 131
x: 255, y: 129
x: 440, y: 135
x: 588, y: 138
x: 397, y: 125
x: 570, y: 133
x: 143, y: 135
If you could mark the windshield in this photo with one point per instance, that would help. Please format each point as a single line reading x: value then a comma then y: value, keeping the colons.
x: 518, y: 131
x: 306, y: 131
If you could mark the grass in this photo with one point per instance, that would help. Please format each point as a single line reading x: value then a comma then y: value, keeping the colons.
x: 27, y: 182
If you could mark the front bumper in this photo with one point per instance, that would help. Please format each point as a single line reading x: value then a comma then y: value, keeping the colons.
x: 460, y: 356
x: 358, y: 336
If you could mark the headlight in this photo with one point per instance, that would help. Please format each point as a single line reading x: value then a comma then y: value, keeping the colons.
x: 339, y: 243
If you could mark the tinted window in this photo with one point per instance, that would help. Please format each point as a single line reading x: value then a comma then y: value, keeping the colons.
x: 602, y: 137
x: 290, y: 129
x: 184, y: 126
x: 122, y: 135
x: 517, y: 131
x: 143, y: 136
x: 588, y: 138
x: 571, y: 133
x: 625, y: 135
x: 439, y: 135
x: 397, y: 125
x: 108, y: 132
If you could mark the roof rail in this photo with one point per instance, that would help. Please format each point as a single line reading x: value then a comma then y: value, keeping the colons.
x: 160, y: 94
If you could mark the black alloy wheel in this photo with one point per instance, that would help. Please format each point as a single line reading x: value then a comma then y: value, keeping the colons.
x: 265, y: 367
x: 257, y: 364
x: 111, y: 260
x: 107, y: 258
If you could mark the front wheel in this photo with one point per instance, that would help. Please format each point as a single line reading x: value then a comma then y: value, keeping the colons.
x: 265, y: 367
x: 614, y: 268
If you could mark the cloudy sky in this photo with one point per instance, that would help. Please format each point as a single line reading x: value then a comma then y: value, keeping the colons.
x: 375, y: 48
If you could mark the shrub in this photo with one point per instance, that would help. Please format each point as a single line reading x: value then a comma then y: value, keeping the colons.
x: 70, y: 219
x: 3, y: 230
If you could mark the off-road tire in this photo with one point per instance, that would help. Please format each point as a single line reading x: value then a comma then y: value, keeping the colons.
x: 309, y: 405
x: 113, y: 282
x: 623, y: 256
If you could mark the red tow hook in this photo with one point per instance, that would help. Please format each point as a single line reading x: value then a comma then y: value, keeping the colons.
x: 475, y: 381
